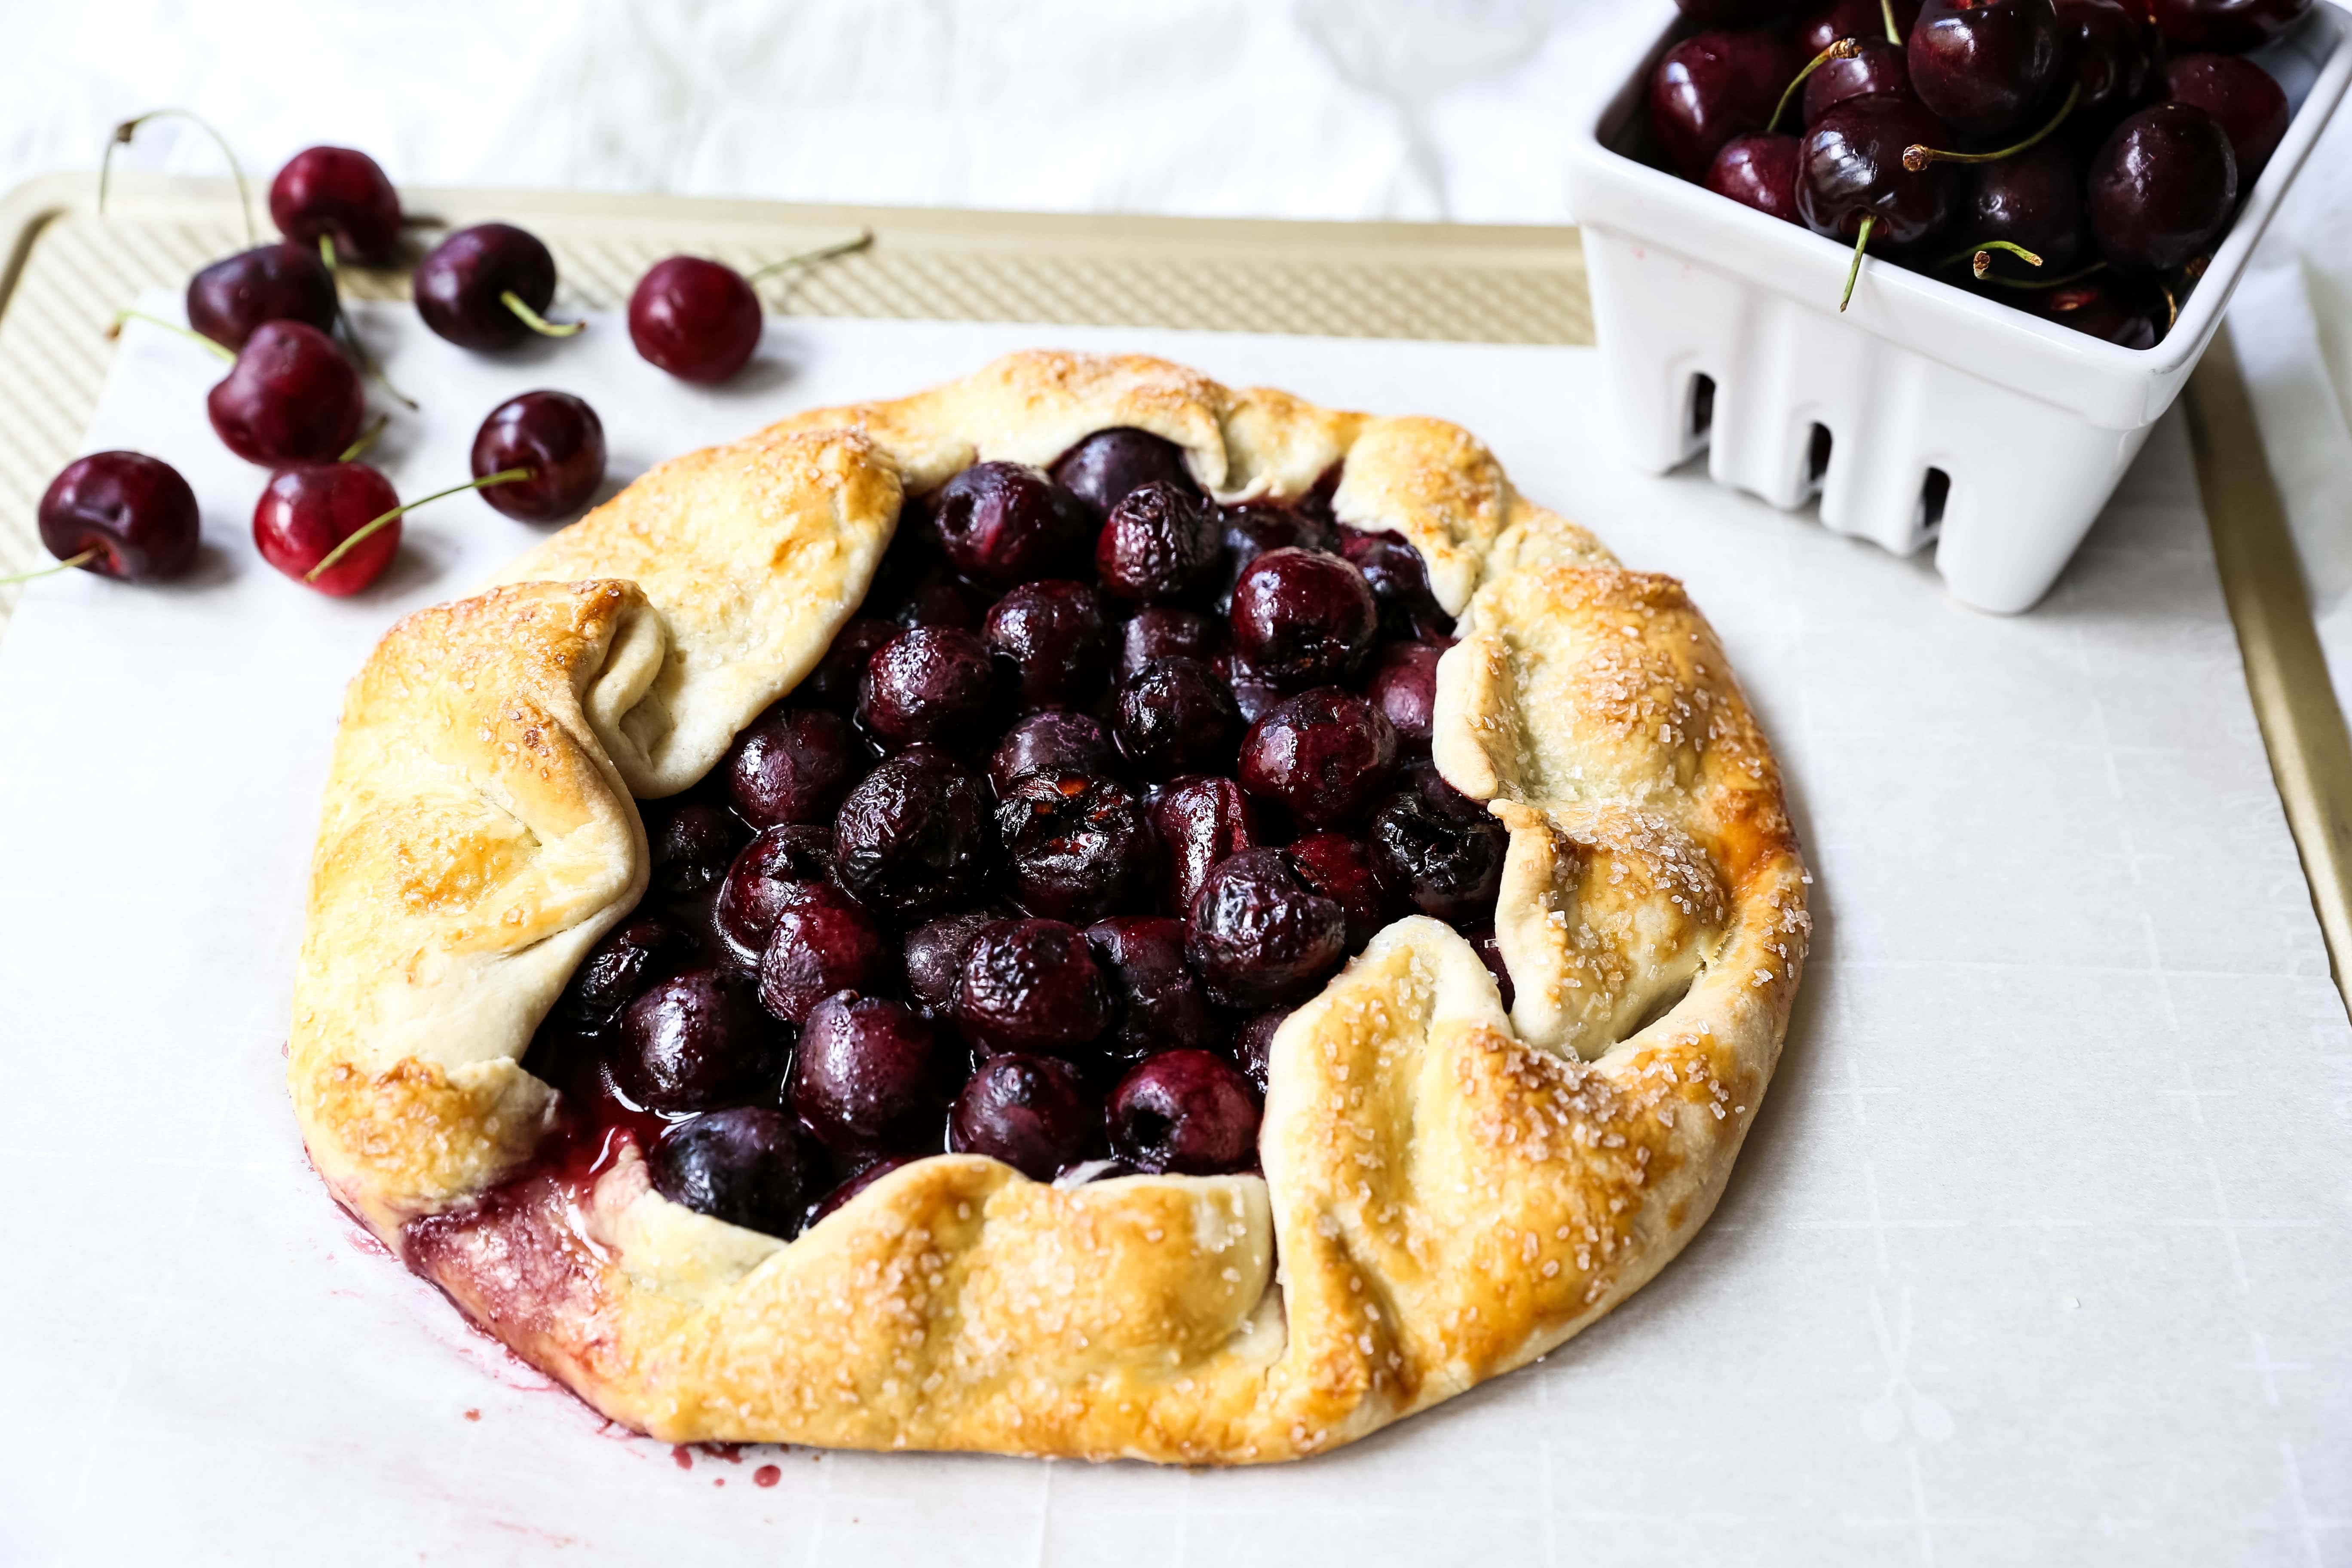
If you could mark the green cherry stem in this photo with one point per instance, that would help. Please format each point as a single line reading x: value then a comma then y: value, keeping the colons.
x: 535, y: 321
x: 504, y: 477
x: 1917, y: 157
x: 368, y: 366
x: 129, y: 128
x: 1894, y: 33
x: 70, y: 562
x: 1979, y: 257
x: 114, y: 330
x: 367, y: 439
x: 2046, y: 282
x: 1860, y: 242
x: 864, y: 237
x: 1843, y: 49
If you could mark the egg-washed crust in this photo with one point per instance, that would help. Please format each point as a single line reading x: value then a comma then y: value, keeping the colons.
x: 1448, y: 1192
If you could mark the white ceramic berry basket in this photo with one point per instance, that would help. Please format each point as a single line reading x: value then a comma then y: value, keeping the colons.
x: 1950, y: 419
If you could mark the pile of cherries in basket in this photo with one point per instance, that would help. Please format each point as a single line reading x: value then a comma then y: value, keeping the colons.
x: 1102, y: 781
x: 2076, y: 158
x: 294, y: 399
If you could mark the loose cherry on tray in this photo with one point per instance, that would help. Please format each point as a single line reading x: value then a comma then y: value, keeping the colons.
x: 488, y: 287
x: 2231, y: 26
x: 2246, y: 100
x: 118, y: 514
x: 701, y: 319
x: 1712, y: 87
x: 2162, y: 188
x: 289, y: 396
x: 555, y: 436
x: 341, y: 194
x: 1989, y: 68
x: 336, y: 526
x: 282, y: 282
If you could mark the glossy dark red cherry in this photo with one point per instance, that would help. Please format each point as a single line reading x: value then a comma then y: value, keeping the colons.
x: 1854, y: 171
x: 857, y: 1184
x: 1032, y: 985
x: 1440, y: 850
x: 1053, y: 635
x: 1405, y: 689
x: 1875, y: 66
x: 694, y: 1041
x: 554, y: 434
x: 1055, y: 738
x: 2162, y: 188
x: 305, y: 511
x: 929, y: 684
x: 821, y: 944
x: 1252, y: 530
x: 1321, y: 755
x: 1712, y: 87
x: 1343, y: 869
x: 836, y: 680
x: 1173, y: 717
x: 341, y: 193
x: 914, y: 837
x: 865, y: 1077
x: 2229, y: 26
x: 1259, y: 936
x: 1156, y: 998
x: 467, y: 287
x: 2115, y: 56
x: 282, y: 282
x: 627, y: 959
x: 691, y: 844
x: 1102, y: 469
x: 2246, y: 99
x: 1168, y: 634
x: 698, y: 319
x: 745, y: 1165
x: 134, y: 514
x: 766, y: 875
x: 291, y: 397
x: 1075, y: 848
x: 1187, y: 1113
x: 1852, y: 19
x: 1991, y: 68
x: 1002, y: 523
x: 1302, y: 618
x: 791, y: 765
x: 2033, y: 200
x: 1399, y: 580
x: 1199, y: 822
x: 934, y: 957
x: 1029, y: 1111
x: 1759, y: 171
x: 2106, y: 307
x: 1254, y: 1045
x: 1161, y: 543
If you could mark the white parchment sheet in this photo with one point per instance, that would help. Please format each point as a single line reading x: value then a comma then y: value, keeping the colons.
x: 2041, y: 1249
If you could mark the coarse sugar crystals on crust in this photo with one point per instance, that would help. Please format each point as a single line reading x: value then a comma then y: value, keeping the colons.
x: 1448, y: 1190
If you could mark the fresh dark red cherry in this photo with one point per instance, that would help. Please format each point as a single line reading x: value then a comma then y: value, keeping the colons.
x: 1053, y: 738
x: 1254, y: 1045
x: 1712, y: 87
x: 934, y: 957
x: 1155, y: 996
x: 1405, y: 689
x: 2035, y: 201
x: 1173, y: 717
x: 1161, y: 543
x: 1301, y: 619
x: 1002, y: 523
x: 305, y: 511
x: 1186, y: 1113
x: 1076, y: 848
x: 291, y: 397
x: 695, y: 1040
x: 692, y: 846
x: 834, y: 682
x: 746, y: 1165
x: 2115, y: 56
x: 1344, y: 870
x: 698, y: 319
x: 1443, y: 851
x: 914, y: 836
x: 1853, y: 171
x: 1168, y: 634
x: 768, y: 874
x: 2228, y: 26
x: 1873, y: 66
x: 2104, y: 307
x: 630, y: 958
x: 488, y: 287
x: 554, y: 434
x: 282, y: 282
x: 821, y: 943
x: 1399, y: 580
x: 1053, y: 635
x: 1991, y: 68
x: 1490, y: 954
x: 1105, y: 468
x: 1252, y: 530
x: 341, y: 193
x: 1759, y: 171
x: 1852, y: 19
x: 2162, y: 188
x: 131, y: 514
x: 792, y: 764
x: 1199, y: 822
x: 2244, y: 98
x: 1259, y: 936
x: 929, y: 684
x: 857, y: 1184
x: 1321, y: 755
x: 867, y: 1075
x: 1032, y: 985
x: 1029, y: 1111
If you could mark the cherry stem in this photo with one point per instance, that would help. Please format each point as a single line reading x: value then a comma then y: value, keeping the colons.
x: 368, y: 366
x: 129, y: 128
x: 1917, y: 157
x: 114, y: 330
x: 367, y: 439
x: 1979, y: 257
x: 504, y: 477
x: 1894, y: 33
x: 1843, y: 49
x: 864, y: 238
x: 1860, y: 242
x: 2046, y: 282
x: 84, y: 559
x: 535, y: 321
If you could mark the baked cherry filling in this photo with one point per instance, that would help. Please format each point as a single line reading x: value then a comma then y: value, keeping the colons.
x: 1102, y: 782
